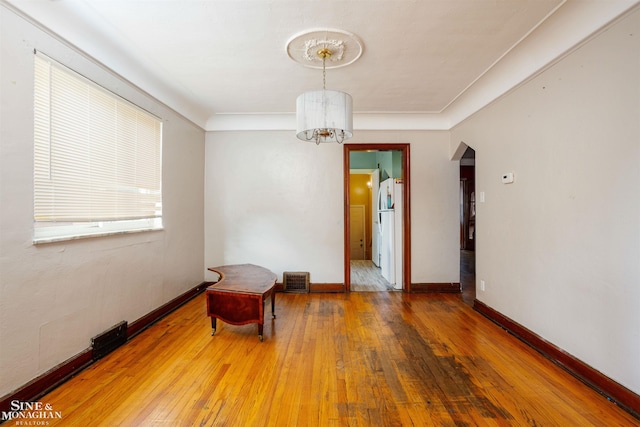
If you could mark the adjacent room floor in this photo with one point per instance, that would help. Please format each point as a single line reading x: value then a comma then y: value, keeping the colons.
x: 366, y: 277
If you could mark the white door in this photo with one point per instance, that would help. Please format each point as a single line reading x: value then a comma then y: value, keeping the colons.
x: 357, y: 230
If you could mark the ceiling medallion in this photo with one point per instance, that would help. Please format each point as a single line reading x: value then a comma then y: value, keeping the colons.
x: 345, y: 48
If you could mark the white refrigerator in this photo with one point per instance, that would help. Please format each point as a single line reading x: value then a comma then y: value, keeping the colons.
x: 390, y: 201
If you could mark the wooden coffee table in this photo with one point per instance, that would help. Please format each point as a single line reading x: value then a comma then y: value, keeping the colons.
x: 238, y: 297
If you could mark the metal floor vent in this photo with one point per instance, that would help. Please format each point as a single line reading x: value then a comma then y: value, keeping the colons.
x: 296, y: 281
x: 109, y: 340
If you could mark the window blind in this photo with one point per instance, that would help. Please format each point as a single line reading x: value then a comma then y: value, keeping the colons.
x: 97, y: 156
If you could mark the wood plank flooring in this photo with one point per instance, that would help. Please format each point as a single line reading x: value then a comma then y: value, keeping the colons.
x: 468, y: 276
x: 366, y: 277
x: 358, y: 359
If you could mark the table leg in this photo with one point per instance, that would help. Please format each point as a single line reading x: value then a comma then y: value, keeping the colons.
x: 273, y: 304
x: 260, y: 329
x: 213, y: 326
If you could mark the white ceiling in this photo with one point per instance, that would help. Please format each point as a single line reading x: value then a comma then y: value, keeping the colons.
x: 223, y: 64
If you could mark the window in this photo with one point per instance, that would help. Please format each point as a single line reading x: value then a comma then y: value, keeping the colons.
x: 97, y: 159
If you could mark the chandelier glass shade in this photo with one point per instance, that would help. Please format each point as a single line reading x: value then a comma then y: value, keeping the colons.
x: 324, y: 116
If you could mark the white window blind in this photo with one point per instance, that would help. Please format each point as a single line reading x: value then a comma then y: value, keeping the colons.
x: 97, y: 159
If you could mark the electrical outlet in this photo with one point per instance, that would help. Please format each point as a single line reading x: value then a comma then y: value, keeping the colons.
x: 482, y: 287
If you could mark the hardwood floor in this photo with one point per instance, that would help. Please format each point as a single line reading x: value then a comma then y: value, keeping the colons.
x: 363, y: 358
x: 366, y: 277
x: 468, y: 276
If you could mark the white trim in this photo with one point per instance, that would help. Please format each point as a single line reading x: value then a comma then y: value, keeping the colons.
x: 74, y: 231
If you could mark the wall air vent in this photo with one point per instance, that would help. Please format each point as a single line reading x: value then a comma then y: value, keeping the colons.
x: 109, y: 340
x: 296, y: 282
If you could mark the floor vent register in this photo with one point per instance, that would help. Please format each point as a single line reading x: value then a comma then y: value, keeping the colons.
x: 297, y: 282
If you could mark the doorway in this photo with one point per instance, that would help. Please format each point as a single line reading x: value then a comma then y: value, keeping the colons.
x: 366, y: 274
x: 402, y: 151
x: 468, y: 226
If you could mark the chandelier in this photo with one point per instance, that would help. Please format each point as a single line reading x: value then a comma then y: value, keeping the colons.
x: 324, y: 115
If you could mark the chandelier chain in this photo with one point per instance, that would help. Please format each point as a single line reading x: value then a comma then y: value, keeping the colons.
x: 324, y: 72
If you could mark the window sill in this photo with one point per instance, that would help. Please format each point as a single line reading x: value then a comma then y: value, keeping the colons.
x: 79, y: 236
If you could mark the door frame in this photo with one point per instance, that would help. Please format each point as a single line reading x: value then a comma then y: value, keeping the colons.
x: 406, y: 206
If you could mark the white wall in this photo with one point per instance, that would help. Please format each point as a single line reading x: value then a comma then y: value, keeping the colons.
x: 559, y: 249
x: 275, y: 201
x: 55, y: 297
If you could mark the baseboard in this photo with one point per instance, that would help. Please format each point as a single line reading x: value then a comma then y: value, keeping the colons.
x: 604, y: 385
x: 59, y: 374
x: 317, y: 288
x: 427, y: 288
x: 145, y: 321
x: 327, y: 287
x: 416, y: 288
x: 48, y: 381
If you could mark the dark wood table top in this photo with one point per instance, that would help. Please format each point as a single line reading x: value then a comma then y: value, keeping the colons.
x: 243, y: 278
